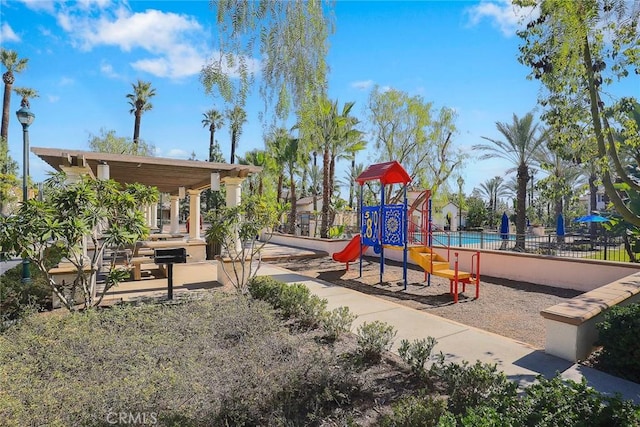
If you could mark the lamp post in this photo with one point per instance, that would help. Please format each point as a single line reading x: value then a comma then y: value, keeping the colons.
x: 25, y: 117
x: 460, y: 183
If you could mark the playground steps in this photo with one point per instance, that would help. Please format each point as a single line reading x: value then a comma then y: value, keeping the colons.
x: 451, y: 274
x: 430, y: 261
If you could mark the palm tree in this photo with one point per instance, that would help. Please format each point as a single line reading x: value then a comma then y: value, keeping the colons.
x: 290, y: 158
x: 493, y: 189
x: 139, y: 101
x: 522, y: 141
x: 214, y: 120
x: 256, y: 158
x: 237, y: 117
x: 335, y: 132
x: 276, y: 143
x: 26, y: 93
x: 13, y: 65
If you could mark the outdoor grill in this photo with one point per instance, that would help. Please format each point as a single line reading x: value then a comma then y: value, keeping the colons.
x: 170, y: 256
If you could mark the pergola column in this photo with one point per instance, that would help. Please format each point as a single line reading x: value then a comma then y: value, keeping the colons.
x: 194, y: 214
x: 154, y: 215
x: 234, y: 198
x: 175, y: 212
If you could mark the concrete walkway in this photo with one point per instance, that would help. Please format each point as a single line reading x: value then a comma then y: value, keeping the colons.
x: 458, y: 342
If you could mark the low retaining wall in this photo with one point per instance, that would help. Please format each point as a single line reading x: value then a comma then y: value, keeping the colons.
x: 569, y: 273
x: 571, y: 325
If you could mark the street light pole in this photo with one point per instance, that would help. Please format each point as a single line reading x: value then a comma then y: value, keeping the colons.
x: 25, y: 117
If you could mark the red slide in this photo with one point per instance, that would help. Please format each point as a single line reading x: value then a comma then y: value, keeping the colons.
x: 350, y: 253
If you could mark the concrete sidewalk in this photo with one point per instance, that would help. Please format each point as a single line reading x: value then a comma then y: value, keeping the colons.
x: 519, y: 361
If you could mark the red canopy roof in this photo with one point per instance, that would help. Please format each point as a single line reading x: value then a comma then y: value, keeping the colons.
x: 386, y: 173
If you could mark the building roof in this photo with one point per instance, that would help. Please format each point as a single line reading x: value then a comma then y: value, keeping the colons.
x: 386, y: 173
x: 165, y: 174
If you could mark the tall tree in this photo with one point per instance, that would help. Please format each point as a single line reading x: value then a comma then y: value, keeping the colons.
x: 493, y: 189
x: 290, y: 157
x: 576, y: 48
x: 214, y: 120
x: 140, y: 102
x: 332, y: 129
x: 109, y: 142
x: 290, y: 37
x: 276, y: 142
x: 237, y: 118
x: 522, y: 141
x: 25, y: 94
x: 13, y: 65
x: 256, y: 158
x: 404, y: 128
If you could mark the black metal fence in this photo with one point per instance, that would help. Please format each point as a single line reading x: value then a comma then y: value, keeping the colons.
x: 602, y: 247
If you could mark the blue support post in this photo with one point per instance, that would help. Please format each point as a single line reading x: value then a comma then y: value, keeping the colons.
x: 405, y: 228
x: 360, y: 228
x: 380, y: 226
x: 429, y: 239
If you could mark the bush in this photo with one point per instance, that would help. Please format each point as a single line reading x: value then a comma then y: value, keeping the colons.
x: 337, y: 321
x: 223, y: 361
x: 417, y: 353
x: 618, y: 335
x: 294, y: 300
x: 416, y: 411
x: 373, y: 339
x: 559, y: 402
x: 17, y: 298
x: 472, y: 385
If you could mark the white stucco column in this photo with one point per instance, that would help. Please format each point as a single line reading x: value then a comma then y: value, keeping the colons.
x: 175, y: 212
x: 103, y: 171
x: 194, y: 214
x: 234, y: 198
x: 154, y: 215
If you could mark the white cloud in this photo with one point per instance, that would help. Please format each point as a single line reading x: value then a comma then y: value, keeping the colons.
x: 173, y: 43
x: 177, y: 153
x: 53, y: 98
x: 107, y: 70
x: 40, y: 5
x: 502, y: 14
x: 362, y: 85
x: 7, y: 34
x: 66, y: 81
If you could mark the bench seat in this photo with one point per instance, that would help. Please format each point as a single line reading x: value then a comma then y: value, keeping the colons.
x: 571, y: 325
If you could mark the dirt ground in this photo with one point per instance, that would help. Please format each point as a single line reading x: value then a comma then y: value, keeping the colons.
x: 505, y: 307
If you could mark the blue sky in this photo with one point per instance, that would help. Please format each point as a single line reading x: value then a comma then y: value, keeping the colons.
x: 84, y: 56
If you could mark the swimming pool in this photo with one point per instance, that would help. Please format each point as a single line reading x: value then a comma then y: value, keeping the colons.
x: 463, y: 238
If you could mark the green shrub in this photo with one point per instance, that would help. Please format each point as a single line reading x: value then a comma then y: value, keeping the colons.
x: 417, y: 353
x: 373, y: 339
x: 266, y: 288
x: 618, y: 335
x: 472, y: 385
x: 337, y: 321
x: 560, y: 402
x: 416, y: 411
x: 17, y: 298
x: 294, y: 300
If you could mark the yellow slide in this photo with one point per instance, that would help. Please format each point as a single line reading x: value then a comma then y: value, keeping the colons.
x: 434, y: 264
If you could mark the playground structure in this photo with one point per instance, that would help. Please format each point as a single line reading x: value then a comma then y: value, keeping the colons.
x: 396, y: 227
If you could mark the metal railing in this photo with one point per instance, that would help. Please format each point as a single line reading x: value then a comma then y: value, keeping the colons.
x: 603, y: 247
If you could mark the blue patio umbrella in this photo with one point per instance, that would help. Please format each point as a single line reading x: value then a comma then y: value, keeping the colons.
x: 592, y: 218
x: 560, y: 226
x: 504, y: 226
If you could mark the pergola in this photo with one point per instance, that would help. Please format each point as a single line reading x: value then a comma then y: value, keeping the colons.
x: 167, y: 175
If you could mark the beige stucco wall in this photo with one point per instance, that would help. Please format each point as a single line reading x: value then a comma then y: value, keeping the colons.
x: 570, y: 273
